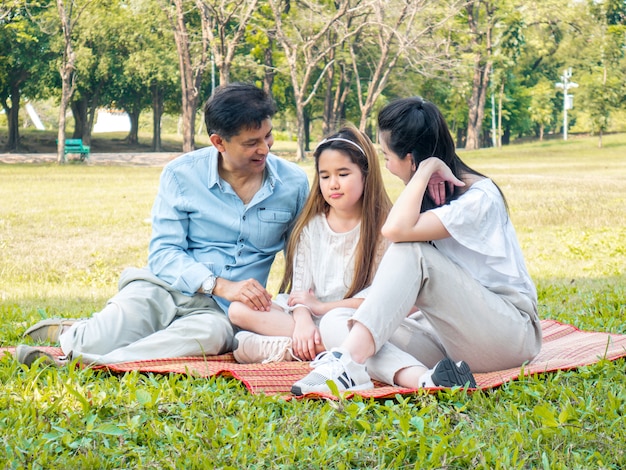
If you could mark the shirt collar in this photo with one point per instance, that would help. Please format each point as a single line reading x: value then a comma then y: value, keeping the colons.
x: 271, y: 171
x: 214, y: 175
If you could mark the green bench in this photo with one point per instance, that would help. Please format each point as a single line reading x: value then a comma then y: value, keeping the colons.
x: 75, y: 146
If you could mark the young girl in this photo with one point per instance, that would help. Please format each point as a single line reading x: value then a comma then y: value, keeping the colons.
x: 459, y: 263
x: 331, y: 256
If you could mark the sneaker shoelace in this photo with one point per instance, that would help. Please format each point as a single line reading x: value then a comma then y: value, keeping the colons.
x: 323, y: 358
x: 273, y: 350
x: 332, y: 365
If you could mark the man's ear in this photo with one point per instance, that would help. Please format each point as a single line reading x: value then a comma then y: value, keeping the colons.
x: 217, y: 141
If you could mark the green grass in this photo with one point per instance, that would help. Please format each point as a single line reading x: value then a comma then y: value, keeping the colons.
x: 66, y: 232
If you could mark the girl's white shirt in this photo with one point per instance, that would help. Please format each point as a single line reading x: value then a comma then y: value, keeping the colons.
x: 324, y: 260
x: 483, y: 240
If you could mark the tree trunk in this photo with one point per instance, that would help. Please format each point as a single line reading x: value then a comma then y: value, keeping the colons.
x: 157, y: 113
x: 66, y: 70
x: 300, y: 153
x: 13, y: 118
x: 79, y: 111
x: 225, y: 74
x: 307, y: 131
x: 133, y: 134
x: 341, y: 95
x: 500, y: 95
x: 481, y: 45
x: 327, y: 122
x: 66, y: 93
x: 477, y: 103
x: 188, y: 83
x: 92, y: 108
x: 270, y: 72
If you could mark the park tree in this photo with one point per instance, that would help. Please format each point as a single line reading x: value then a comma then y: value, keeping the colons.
x: 337, y: 88
x: 225, y: 23
x: 542, y: 106
x: 537, y: 67
x: 404, y: 32
x: 101, y: 54
x: 303, y: 35
x: 260, y: 44
x: 192, y: 44
x: 507, y: 50
x: 69, y: 12
x: 150, y: 69
x: 23, y: 52
x: 603, y: 89
x: 480, y: 17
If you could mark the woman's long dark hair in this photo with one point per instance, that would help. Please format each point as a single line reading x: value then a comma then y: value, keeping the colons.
x: 417, y: 127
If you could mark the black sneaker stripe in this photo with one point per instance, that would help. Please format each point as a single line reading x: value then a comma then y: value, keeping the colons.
x: 346, y: 381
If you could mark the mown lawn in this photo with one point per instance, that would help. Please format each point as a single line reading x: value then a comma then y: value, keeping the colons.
x: 66, y: 232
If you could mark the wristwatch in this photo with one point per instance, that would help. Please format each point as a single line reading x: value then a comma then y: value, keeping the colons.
x: 209, y: 285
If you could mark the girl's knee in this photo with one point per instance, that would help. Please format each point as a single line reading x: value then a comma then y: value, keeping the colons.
x: 237, y: 313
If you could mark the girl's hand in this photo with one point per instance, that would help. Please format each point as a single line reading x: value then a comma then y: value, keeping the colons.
x: 305, y: 338
x: 306, y: 298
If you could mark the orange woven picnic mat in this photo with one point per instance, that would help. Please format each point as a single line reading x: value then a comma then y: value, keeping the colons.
x: 564, y: 347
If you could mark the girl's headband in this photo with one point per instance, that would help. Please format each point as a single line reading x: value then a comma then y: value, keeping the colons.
x: 341, y: 139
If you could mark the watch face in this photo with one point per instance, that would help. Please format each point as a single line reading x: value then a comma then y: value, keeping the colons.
x: 208, y: 285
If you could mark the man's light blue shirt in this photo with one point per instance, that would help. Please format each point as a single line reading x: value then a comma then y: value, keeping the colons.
x: 200, y: 226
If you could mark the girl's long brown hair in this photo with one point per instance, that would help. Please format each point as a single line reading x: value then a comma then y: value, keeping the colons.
x: 374, y: 210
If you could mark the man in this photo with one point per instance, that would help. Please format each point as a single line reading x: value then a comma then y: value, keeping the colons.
x: 220, y: 216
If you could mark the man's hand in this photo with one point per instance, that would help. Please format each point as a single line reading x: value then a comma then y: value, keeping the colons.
x: 249, y: 292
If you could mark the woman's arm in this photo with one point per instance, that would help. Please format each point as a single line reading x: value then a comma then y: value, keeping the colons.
x: 405, y: 222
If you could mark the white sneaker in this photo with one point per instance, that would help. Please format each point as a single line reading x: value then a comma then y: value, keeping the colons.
x: 336, y: 366
x: 253, y: 348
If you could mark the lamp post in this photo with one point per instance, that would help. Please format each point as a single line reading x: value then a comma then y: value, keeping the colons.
x: 568, y: 100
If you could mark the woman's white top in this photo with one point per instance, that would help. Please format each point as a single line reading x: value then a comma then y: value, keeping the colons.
x: 483, y: 240
x: 324, y: 260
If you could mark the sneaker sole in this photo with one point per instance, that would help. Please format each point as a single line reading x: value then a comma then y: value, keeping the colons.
x: 297, y: 390
x: 27, y: 355
x: 448, y: 374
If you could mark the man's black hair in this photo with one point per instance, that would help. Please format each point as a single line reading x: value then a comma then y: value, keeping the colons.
x: 235, y: 107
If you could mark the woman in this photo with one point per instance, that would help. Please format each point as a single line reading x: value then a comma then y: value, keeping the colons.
x: 455, y: 259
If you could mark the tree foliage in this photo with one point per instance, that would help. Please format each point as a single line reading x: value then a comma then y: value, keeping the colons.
x: 491, y: 66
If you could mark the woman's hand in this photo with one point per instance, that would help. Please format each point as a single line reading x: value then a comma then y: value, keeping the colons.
x: 405, y: 222
x: 440, y: 177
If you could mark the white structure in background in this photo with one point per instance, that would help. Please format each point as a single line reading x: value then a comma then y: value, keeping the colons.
x: 32, y: 114
x: 568, y: 100
x: 110, y: 120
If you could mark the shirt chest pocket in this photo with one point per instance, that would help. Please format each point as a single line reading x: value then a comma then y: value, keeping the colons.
x: 271, y: 225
